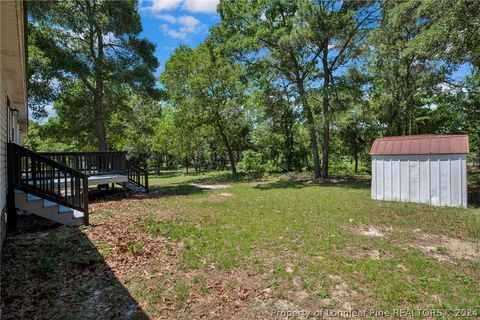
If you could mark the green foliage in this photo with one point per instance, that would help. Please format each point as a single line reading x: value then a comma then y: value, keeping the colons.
x: 44, y: 265
x: 170, y: 229
x: 276, y: 86
x: 135, y: 246
x: 207, y: 92
x: 252, y: 161
x: 88, y: 57
x: 181, y: 291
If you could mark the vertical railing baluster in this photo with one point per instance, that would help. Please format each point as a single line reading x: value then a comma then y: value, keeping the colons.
x: 85, y: 200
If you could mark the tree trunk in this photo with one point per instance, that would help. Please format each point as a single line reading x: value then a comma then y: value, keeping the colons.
x: 158, y: 158
x: 355, y: 156
x: 99, y: 122
x: 290, y: 152
x: 311, y: 129
x: 227, y: 145
x: 98, y: 95
x: 326, y: 116
x: 288, y: 132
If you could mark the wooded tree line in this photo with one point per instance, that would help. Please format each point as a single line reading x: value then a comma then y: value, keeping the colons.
x: 277, y: 85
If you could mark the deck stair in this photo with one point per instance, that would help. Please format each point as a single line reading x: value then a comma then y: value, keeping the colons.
x: 48, y: 209
x: 135, y: 188
x: 55, y: 185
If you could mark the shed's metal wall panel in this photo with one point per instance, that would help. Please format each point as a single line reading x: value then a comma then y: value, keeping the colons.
x: 431, y: 179
x: 434, y: 181
x: 396, y: 180
x: 404, y: 180
x: 445, y: 182
x: 387, y: 174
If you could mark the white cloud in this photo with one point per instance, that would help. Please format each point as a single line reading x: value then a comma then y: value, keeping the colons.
x: 205, y: 6
x: 166, y: 17
x: 181, y: 27
x: 198, y: 6
x: 162, y: 5
x: 177, y: 34
x: 188, y: 22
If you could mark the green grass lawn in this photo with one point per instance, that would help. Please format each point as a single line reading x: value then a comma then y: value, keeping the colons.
x: 286, y: 244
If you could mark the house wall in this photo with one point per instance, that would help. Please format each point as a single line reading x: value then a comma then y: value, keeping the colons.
x: 439, y: 180
x: 9, y: 132
x: 13, y: 85
x: 3, y: 159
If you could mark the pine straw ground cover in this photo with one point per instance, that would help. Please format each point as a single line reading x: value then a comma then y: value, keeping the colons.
x: 187, y: 251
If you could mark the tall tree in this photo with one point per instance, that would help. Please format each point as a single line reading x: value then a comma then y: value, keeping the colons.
x: 447, y: 34
x: 269, y: 32
x: 402, y: 80
x: 278, y: 119
x: 208, y: 89
x: 95, y: 43
x: 448, y: 29
x: 339, y: 30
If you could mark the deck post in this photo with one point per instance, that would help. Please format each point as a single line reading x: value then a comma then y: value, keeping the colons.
x: 85, y: 200
x: 124, y: 184
x: 146, y: 180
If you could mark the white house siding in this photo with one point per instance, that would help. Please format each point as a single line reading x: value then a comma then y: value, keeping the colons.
x: 432, y: 179
x: 3, y: 158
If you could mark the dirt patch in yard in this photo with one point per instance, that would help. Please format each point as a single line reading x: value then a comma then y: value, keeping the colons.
x: 367, y: 253
x: 444, y: 248
x: 211, y: 186
x: 371, y: 231
x: 338, y: 295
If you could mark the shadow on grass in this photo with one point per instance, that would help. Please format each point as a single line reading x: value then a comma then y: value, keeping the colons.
x: 156, y: 191
x: 350, y: 183
x: 167, y: 174
x: 226, y: 177
x: 51, y: 271
x: 174, y: 190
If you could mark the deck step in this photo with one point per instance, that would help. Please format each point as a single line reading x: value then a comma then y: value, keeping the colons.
x: 63, y: 209
x: 31, y: 197
x: 78, y: 214
x: 47, y: 204
x: 48, y: 209
x: 135, y: 188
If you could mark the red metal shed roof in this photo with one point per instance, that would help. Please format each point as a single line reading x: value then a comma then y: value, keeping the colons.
x: 422, y: 144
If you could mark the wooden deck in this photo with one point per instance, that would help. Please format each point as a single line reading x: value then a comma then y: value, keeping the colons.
x: 107, y: 178
x: 64, y: 178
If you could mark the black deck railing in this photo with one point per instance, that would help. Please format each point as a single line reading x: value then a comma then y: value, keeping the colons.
x: 137, y: 176
x: 102, y: 162
x: 44, y: 177
x: 62, y: 177
x: 92, y: 163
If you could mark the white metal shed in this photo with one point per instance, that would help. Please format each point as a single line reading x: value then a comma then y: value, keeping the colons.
x: 429, y: 169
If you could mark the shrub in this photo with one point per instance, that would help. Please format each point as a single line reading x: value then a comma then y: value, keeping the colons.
x: 252, y: 161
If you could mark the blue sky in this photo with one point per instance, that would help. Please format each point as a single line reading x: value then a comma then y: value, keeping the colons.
x: 170, y: 23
